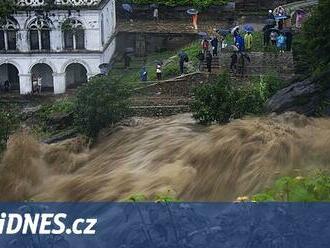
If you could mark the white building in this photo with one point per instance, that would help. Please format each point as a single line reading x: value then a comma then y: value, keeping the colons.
x: 63, y: 42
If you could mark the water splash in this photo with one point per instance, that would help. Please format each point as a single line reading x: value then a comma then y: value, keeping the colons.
x: 174, y: 155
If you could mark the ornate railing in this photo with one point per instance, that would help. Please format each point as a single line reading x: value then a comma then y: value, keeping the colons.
x: 36, y: 3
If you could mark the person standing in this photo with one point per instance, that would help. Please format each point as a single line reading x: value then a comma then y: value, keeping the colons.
x: 159, y: 72
x: 215, y: 44
x: 183, y: 57
x: 195, y: 20
x: 127, y: 60
x: 281, y: 41
x: 209, y: 61
x: 39, y: 84
x: 239, y: 42
x: 273, y: 37
x: 233, y: 64
x: 143, y: 74
x: 289, y: 40
x: 205, y: 45
x: 248, y: 38
x: 156, y: 15
x: 6, y: 86
x: 201, y: 58
x: 266, y: 36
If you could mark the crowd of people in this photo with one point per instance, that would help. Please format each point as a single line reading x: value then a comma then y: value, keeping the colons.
x: 277, y: 33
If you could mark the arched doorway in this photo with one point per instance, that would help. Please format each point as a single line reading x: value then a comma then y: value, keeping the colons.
x: 44, y: 72
x: 75, y: 75
x: 9, y: 72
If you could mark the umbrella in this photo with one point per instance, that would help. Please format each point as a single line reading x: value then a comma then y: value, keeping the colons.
x: 192, y: 12
x: 223, y: 32
x: 270, y: 22
x: 127, y: 7
x: 203, y: 34
x: 233, y: 48
x: 154, y: 6
x: 234, y: 29
x: 248, y: 28
x: 281, y: 17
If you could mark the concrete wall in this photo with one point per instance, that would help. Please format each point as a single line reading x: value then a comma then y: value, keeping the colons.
x: 145, y: 43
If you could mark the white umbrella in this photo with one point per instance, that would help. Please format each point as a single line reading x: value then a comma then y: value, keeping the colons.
x: 234, y: 29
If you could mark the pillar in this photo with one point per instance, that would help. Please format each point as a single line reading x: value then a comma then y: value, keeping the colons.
x: 25, y: 84
x: 59, y: 83
x: 56, y: 40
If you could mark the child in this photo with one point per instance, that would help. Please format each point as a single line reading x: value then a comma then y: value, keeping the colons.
x: 281, y: 40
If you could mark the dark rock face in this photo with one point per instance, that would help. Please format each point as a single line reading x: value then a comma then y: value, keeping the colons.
x: 303, y: 97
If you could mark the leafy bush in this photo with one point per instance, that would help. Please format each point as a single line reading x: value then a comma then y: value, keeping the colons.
x: 298, y: 189
x: 99, y: 103
x: 64, y: 105
x: 221, y: 101
x: 9, y: 121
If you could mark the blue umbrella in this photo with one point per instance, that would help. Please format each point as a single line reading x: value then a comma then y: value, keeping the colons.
x: 281, y: 17
x: 192, y: 12
x: 127, y: 7
x: 248, y: 28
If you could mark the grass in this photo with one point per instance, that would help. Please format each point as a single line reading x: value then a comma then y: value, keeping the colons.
x: 170, y: 67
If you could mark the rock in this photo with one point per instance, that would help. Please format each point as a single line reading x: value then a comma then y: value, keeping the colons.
x: 303, y: 97
x: 61, y: 136
x: 60, y: 121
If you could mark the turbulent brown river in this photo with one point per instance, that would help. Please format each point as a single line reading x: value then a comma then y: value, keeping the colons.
x: 171, y: 156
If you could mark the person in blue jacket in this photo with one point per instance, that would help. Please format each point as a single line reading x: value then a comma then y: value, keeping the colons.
x: 239, y: 42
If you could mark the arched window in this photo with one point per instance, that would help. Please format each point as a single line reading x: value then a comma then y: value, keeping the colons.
x: 74, y: 34
x: 39, y: 31
x: 8, y: 30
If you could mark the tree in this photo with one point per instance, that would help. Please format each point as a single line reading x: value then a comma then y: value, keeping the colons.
x: 6, y: 7
x: 316, y: 38
x: 223, y: 100
x: 100, y: 103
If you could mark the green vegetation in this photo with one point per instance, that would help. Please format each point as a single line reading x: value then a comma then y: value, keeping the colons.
x: 9, y: 121
x: 315, y: 38
x: 6, y: 7
x: 298, y: 189
x: 170, y: 68
x: 221, y: 100
x: 63, y: 105
x: 196, y: 3
x: 100, y: 103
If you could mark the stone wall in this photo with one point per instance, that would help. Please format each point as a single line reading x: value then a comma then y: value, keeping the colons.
x: 179, y: 87
x: 145, y: 12
x: 264, y: 62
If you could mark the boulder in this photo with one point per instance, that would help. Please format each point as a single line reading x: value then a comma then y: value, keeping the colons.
x: 302, y: 97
